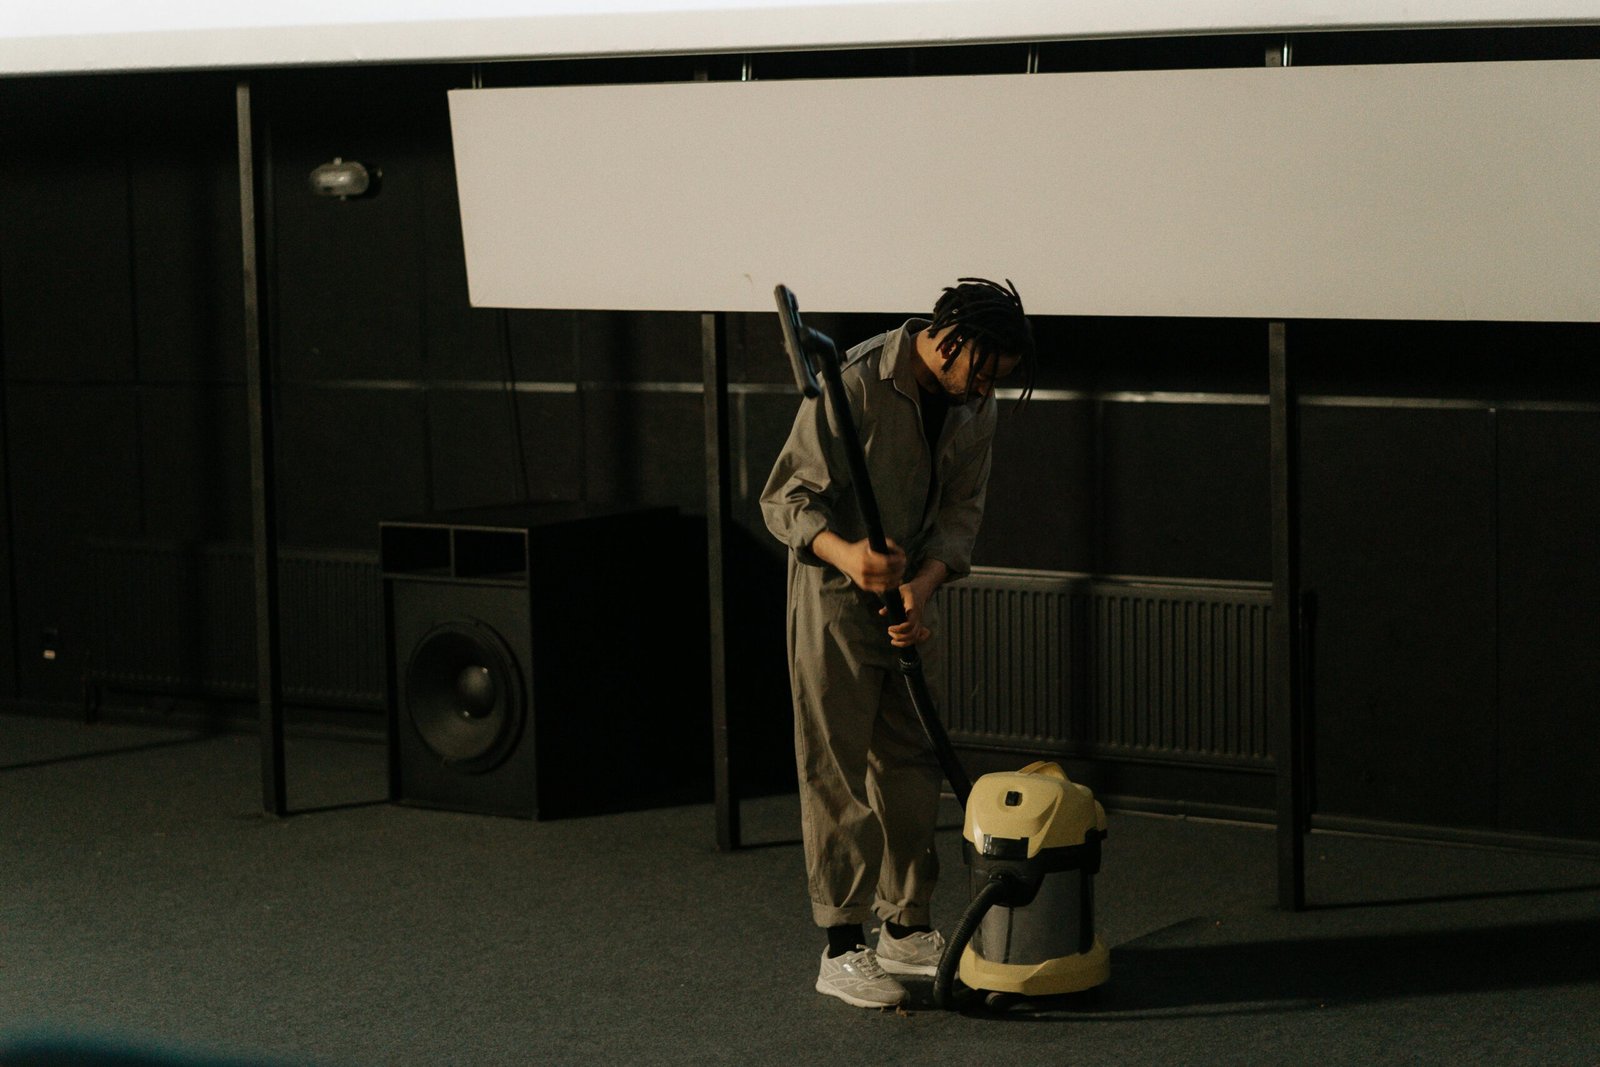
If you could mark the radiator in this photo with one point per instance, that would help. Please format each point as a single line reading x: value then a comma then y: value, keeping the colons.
x: 181, y: 619
x: 1053, y: 661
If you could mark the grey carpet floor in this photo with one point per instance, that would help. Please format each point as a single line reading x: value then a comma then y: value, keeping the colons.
x: 146, y: 903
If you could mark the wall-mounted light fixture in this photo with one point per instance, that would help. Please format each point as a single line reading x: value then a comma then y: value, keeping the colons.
x: 344, y: 179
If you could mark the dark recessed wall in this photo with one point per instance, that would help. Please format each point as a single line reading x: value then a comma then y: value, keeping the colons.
x: 1447, y: 532
x: 120, y: 334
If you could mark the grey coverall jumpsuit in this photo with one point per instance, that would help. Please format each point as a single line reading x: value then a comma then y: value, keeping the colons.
x: 869, y: 781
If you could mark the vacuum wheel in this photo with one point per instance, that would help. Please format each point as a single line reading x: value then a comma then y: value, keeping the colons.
x: 1001, y: 1002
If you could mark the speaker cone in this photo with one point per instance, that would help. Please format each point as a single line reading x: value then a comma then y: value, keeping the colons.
x: 465, y: 695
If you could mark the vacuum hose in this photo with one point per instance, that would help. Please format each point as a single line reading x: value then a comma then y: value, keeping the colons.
x: 999, y: 887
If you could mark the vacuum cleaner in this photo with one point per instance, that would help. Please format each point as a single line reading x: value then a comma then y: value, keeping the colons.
x: 1032, y: 837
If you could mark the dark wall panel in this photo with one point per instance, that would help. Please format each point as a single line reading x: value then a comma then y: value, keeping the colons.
x: 64, y: 231
x: 119, y: 263
x: 183, y: 192
x: 755, y: 351
x: 54, y: 603
x: 543, y: 345
x: 75, y: 461
x: 640, y: 347
x: 8, y: 627
x: 349, y: 296
x: 759, y: 708
x: 348, y: 458
x: 645, y: 448
x: 551, y: 425
x: 348, y: 293
x: 194, y: 457
x: 1489, y: 362
x: 492, y: 447
x: 76, y: 477
x: 759, y: 425
x: 459, y: 341
x: 1040, y: 509
x: 1455, y: 45
x: 1157, y: 53
x: 1549, y: 483
x: 1398, y: 542
x: 473, y: 448
x: 1152, y: 355
x: 1185, y: 491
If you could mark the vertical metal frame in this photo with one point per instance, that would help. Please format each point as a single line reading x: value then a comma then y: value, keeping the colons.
x: 10, y: 678
x: 254, y: 203
x: 1287, y: 639
x: 714, y: 359
x: 719, y: 496
x: 1285, y: 646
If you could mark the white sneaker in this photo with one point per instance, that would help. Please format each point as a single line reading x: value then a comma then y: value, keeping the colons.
x: 916, y: 953
x: 856, y: 978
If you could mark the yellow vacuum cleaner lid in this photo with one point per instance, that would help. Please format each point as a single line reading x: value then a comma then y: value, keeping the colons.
x: 1038, y: 804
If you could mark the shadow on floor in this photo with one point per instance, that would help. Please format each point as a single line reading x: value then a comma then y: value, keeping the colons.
x: 104, y: 753
x: 349, y: 805
x: 1186, y: 971
x: 1455, y: 898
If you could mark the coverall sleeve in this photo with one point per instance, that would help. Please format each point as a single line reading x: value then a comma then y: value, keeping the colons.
x: 966, y: 484
x: 799, y: 500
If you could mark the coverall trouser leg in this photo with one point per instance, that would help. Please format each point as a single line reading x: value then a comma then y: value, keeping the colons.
x: 869, y: 780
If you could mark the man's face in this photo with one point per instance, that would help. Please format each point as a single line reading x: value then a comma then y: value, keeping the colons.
x: 962, y: 380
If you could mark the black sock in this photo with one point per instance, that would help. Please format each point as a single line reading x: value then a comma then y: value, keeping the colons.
x: 897, y: 931
x: 845, y: 938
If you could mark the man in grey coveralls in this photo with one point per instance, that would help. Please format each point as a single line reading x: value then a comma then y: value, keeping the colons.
x: 869, y: 781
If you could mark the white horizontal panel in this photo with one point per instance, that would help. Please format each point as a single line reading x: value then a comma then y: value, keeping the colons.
x: 1449, y: 191
x: 81, y: 35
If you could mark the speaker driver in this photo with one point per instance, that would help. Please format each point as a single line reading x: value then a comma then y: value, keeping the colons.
x: 465, y: 695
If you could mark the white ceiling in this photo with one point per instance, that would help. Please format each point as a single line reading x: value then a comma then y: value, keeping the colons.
x: 59, y: 36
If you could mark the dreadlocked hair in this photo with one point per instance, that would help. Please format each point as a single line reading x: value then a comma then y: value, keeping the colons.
x: 988, y: 316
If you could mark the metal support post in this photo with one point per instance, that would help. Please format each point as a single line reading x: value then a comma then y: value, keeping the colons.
x: 714, y: 358
x: 254, y: 180
x: 1287, y: 728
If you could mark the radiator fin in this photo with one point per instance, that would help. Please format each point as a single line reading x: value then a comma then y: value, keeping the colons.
x: 1054, y: 660
x: 1008, y: 658
x: 181, y: 619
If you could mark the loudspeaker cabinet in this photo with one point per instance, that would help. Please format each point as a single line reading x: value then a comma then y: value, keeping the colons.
x: 546, y: 660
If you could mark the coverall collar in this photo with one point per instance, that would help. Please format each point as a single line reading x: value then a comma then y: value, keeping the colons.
x: 899, y: 358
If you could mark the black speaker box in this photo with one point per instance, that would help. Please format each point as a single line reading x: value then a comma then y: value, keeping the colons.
x: 547, y: 659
